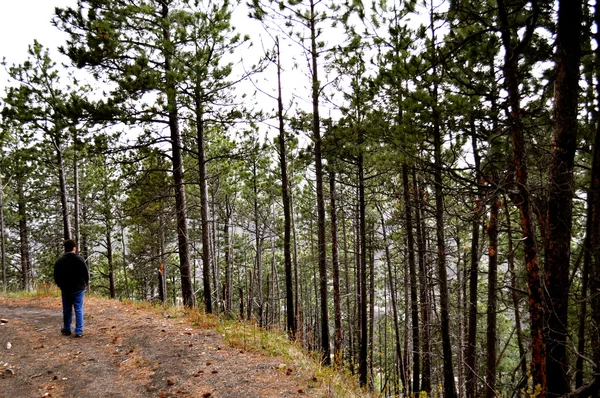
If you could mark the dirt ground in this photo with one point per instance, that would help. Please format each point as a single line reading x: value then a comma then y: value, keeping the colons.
x: 130, y: 352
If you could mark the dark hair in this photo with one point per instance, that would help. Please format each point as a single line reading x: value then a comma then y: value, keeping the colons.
x: 69, y: 245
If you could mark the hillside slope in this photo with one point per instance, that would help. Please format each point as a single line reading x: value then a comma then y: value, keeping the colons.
x: 131, y: 351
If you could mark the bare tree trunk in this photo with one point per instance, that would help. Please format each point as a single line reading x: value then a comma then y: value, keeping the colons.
x: 109, y: 257
x: 490, y: 379
x: 560, y: 202
x: 287, y: 223
x: 414, y: 305
x: 337, y: 306
x: 127, y: 293
x: 372, y: 305
x: 2, y: 236
x: 214, y: 254
x: 316, y: 130
x: 63, y: 192
x: 398, y: 344
x: 471, y: 355
x: 206, y: 259
x: 423, y: 291
x: 515, y: 301
x: 76, y: 188
x: 227, y: 289
x: 349, y: 310
x: 24, y: 239
x: 595, y: 225
x: 449, y: 383
x: 522, y: 199
x: 178, y: 179
x: 258, y: 243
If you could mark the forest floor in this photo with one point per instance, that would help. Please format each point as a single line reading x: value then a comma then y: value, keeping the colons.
x: 131, y: 351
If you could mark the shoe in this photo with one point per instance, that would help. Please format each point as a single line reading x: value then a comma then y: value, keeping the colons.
x: 65, y: 332
x: 78, y: 334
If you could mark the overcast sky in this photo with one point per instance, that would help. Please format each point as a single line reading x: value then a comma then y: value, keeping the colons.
x: 22, y: 21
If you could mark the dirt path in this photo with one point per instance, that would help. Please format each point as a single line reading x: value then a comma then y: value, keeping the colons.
x: 130, y: 352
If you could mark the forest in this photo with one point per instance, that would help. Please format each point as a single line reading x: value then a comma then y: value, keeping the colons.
x: 408, y: 188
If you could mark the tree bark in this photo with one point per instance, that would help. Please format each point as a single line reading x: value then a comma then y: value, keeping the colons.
x: 2, y: 236
x: 423, y: 289
x: 560, y: 200
x: 398, y: 344
x: 449, y: 383
x: 414, y: 305
x: 178, y: 179
x: 521, y: 196
x: 595, y: 224
x: 26, y: 282
x: 287, y: 223
x: 63, y: 192
x: 471, y: 355
x: 206, y: 259
x: 492, y: 230
x: 337, y: 305
x: 316, y: 130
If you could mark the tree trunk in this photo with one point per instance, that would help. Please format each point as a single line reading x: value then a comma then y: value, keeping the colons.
x: 178, y: 179
x: 76, y: 188
x: 109, y: 257
x: 127, y: 293
x: 521, y: 198
x: 227, y: 289
x: 362, y: 235
x: 595, y: 224
x: 63, y: 193
x: 424, y: 290
x: 515, y: 301
x: 492, y: 229
x: 372, y: 307
x: 258, y: 243
x: 2, y: 236
x: 26, y: 282
x: 414, y: 305
x: 214, y: 254
x: 471, y: 354
x: 287, y: 223
x: 449, y: 383
x: 337, y: 305
x: 206, y: 260
x: 395, y: 314
x: 560, y: 201
x: 316, y: 130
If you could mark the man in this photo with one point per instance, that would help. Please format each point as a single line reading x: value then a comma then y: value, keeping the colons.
x: 71, y: 275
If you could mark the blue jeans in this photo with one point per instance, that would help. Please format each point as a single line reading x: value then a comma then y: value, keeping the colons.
x: 72, y: 300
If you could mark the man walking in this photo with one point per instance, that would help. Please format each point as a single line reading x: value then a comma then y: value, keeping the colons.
x: 71, y: 275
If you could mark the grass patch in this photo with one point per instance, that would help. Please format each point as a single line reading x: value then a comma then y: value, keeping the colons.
x: 248, y: 336
x: 42, y: 290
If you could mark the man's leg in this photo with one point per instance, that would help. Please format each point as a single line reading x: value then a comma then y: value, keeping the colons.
x: 78, y: 304
x: 67, y: 304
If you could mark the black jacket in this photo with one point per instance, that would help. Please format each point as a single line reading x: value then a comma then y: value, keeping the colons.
x: 71, y: 273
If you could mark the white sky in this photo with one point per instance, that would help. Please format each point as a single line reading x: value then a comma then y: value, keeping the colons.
x: 22, y: 21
